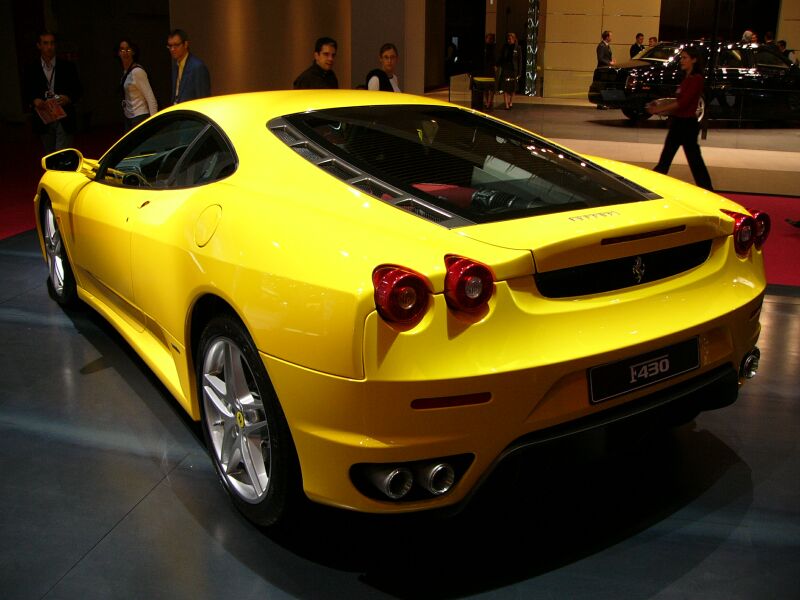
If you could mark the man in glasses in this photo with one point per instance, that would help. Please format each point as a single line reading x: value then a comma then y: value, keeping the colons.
x: 51, y: 86
x: 190, y: 78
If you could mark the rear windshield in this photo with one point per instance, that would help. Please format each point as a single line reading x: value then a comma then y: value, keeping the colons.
x: 463, y: 163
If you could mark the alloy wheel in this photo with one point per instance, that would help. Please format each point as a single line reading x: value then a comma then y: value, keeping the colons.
x: 236, y: 421
x: 54, y: 251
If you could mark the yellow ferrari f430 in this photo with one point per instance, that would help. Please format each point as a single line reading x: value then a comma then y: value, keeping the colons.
x: 372, y: 299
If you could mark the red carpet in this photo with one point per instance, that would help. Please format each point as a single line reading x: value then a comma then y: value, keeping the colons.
x: 20, y: 169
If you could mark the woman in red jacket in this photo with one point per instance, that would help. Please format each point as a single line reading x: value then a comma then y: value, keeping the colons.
x: 683, y: 125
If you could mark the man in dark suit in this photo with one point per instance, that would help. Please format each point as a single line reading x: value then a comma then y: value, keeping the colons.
x: 190, y: 78
x: 51, y: 87
x: 604, y: 56
x: 638, y: 45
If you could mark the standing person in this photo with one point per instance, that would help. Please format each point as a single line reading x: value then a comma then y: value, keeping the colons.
x: 190, y: 78
x: 638, y: 45
x: 138, y: 100
x: 320, y: 74
x: 489, y: 70
x: 789, y: 54
x: 605, y: 56
x: 683, y: 125
x: 510, y: 68
x: 385, y: 79
x: 52, y: 87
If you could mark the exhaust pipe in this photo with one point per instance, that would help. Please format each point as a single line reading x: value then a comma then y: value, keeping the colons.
x: 436, y: 478
x: 750, y: 362
x: 393, y: 482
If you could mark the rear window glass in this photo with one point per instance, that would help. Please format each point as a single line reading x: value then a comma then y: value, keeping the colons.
x: 463, y: 163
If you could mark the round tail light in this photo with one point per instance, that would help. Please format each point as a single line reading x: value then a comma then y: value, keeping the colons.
x: 763, y: 227
x: 401, y: 295
x: 468, y: 284
x: 744, y: 232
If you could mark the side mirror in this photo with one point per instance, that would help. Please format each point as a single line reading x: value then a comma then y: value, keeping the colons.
x: 63, y: 160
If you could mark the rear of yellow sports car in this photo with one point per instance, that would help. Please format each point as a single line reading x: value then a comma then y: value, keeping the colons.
x: 592, y: 314
x: 461, y: 391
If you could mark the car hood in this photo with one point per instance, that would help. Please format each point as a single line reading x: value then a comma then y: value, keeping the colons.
x: 631, y: 64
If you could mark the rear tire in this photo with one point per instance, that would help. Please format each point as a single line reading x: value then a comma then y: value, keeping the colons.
x: 701, y: 108
x: 636, y: 114
x: 60, y: 279
x: 244, y: 427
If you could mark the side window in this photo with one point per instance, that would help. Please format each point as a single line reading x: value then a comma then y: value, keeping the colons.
x: 210, y: 160
x: 730, y: 58
x: 147, y: 158
x: 765, y: 58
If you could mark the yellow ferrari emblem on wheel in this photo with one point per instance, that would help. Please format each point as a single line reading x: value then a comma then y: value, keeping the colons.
x: 239, y: 419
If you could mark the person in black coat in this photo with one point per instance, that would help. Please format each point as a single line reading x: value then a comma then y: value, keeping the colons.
x: 320, y: 75
x: 489, y: 69
x: 638, y: 45
x: 385, y: 79
x: 511, y: 64
x: 605, y: 57
x: 51, y: 87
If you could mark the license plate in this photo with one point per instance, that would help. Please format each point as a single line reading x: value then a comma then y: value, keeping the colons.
x: 615, y: 379
x: 615, y: 95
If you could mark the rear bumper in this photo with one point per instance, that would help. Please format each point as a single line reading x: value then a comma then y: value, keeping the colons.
x: 675, y: 405
x: 339, y: 423
x: 715, y: 389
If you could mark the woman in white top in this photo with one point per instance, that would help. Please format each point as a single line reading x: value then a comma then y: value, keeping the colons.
x: 385, y: 79
x: 138, y: 101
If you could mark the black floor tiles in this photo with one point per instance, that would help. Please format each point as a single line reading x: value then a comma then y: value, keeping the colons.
x: 107, y: 492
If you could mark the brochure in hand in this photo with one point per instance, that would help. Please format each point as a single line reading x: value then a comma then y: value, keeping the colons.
x: 50, y: 111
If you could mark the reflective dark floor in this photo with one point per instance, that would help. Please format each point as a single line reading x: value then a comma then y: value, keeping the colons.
x: 106, y: 492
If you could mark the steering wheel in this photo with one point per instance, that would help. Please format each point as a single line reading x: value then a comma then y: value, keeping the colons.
x: 130, y: 178
x: 168, y: 163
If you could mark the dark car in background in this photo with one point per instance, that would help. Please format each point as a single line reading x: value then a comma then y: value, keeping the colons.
x: 749, y: 82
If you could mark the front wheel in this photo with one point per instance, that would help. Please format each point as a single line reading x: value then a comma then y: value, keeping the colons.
x: 60, y: 279
x: 243, y: 424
